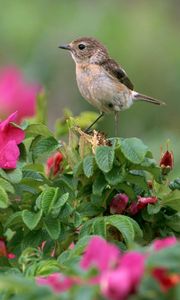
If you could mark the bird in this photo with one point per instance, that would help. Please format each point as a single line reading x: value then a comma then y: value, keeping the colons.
x: 101, y: 80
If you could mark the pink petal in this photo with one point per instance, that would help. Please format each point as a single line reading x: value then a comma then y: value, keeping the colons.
x: 58, y: 282
x: 99, y: 254
x: 164, y: 243
x: 12, y: 133
x: 5, y: 123
x: 115, y: 285
x: 134, y: 262
x: 9, y: 155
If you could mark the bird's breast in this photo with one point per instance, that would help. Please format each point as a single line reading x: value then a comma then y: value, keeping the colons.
x: 99, y: 89
x: 86, y: 76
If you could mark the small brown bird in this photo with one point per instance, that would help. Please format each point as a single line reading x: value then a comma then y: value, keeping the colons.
x: 101, y: 81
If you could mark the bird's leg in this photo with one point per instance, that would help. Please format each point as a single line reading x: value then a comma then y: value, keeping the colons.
x: 99, y: 117
x: 116, y: 117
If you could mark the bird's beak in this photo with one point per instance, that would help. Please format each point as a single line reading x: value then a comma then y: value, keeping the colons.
x: 66, y: 47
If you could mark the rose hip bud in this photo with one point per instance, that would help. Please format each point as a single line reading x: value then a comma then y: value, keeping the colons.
x: 144, y: 201
x: 53, y: 164
x: 118, y: 204
x: 167, y: 162
x: 3, y: 249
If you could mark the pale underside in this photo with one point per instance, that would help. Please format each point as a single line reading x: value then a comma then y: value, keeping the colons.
x: 101, y: 89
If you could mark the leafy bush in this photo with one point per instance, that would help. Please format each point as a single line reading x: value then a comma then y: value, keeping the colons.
x: 90, y: 186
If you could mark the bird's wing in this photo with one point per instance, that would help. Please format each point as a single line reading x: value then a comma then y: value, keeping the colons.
x: 111, y: 66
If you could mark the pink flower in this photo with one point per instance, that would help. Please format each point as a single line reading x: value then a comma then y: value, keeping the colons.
x: 142, y: 202
x: 118, y: 203
x: 164, y: 243
x: 58, y: 282
x: 10, y: 137
x: 99, y: 254
x: 53, y: 164
x: 118, y: 284
x: 16, y: 93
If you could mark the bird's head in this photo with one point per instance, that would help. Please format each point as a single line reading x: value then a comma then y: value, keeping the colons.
x: 86, y: 50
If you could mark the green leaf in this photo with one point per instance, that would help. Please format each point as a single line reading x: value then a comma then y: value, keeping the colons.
x: 33, y: 238
x: 153, y: 209
x: 61, y: 201
x: 104, y: 157
x: 137, y: 230
x: 88, y: 165
x: 81, y: 244
x: 89, y: 209
x: 134, y: 150
x: 46, y: 267
x: 127, y: 189
x: 66, y: 210
x: 137, y: 180
x: 172, y: 200
x: 14, y: 219
x: 23, y: 153
x: 99, y: 185
x: 38, y: 129
x: 4, y: 201
x: 48, y: 199
x: 42, y: 146
x: 99, y: 227
x: 59, y: 204
x: 53, y: 227
x: 173, y: 222
x: 27, y: 173
x: 124, y: 225
x: 14, y: 176
x: 128, y: 228
x: 116, y: 175
x: 6, y: 186
x: 31, y: 219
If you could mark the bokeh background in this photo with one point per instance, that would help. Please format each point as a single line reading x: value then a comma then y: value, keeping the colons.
x: 143, y: 36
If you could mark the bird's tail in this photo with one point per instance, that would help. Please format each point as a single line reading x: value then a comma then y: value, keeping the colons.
x: 141, y: 97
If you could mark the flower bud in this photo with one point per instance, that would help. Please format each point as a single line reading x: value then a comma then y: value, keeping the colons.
x: 167, y: 162
x: 53, y: 164
x: 118, y: 204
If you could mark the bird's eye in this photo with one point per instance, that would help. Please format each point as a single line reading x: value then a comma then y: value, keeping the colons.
x: 81, y: 46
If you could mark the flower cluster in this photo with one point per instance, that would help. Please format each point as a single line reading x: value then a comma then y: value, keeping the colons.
x: 119, y: 275
x: 112, y: 266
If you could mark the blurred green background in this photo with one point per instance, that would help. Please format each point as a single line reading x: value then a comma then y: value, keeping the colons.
x: 143, y: 36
